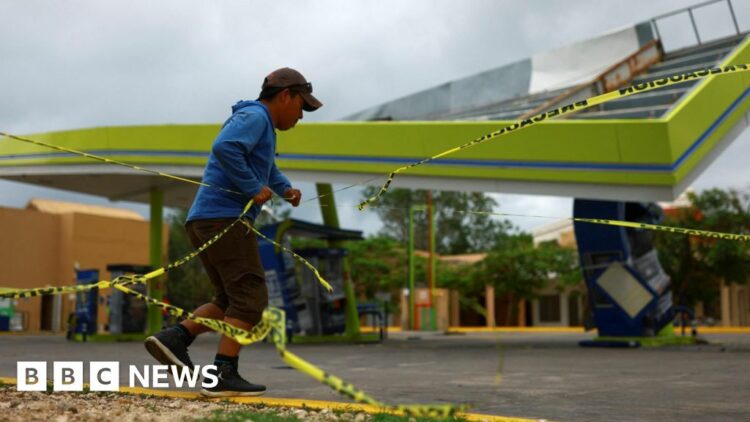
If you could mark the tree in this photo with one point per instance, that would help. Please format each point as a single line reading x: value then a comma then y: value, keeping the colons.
x: 462, y: 278
x: 457, y: 231
x: 377, y: 264
x: 562, y: 264
x: 697, y: 265
x: 518, y: 269
x: 188, y: 285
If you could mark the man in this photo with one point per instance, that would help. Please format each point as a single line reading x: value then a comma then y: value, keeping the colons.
x: 241, y: 160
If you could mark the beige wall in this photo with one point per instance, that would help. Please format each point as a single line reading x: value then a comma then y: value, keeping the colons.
x: 735, y: 304
x: 41, y: 250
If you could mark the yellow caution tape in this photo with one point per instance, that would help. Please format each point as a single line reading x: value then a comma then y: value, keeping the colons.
x: 147, y: 170
x: 277, y: 321
x: 41, y: 291
x: 121, y: 280
x: 133, y: 279
x: 656, y: 227
x: 273, y: 321
x: 272, y: 318
x: 564, y: 110
x: 125, y: 280
x: 241, y: 336
x: 631, y: 224
x: 111, y: 161
x: 520, y: 124
x: 304, y: 262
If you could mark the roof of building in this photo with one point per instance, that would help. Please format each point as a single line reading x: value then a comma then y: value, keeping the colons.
x: 50, y: 206
x: 469, y: 258
x: 552, y: 230
x: 682, y: 201
x: 294, y: 227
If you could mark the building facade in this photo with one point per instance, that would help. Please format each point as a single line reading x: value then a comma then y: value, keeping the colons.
x: 45, y: 243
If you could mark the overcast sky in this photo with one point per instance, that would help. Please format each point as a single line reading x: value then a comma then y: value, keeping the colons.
x: 77, y: 64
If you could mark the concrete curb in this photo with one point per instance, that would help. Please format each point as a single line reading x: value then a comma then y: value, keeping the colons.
x: 296, y: 403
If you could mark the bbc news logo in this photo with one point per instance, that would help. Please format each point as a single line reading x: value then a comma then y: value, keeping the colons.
x: 105, y: 376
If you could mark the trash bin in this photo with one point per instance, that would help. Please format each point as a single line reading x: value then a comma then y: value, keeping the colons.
x: 84, y: 320
x: 127, y: 313
x: 6, y: 313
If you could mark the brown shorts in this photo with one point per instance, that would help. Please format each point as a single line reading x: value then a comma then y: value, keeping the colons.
x: 234, y: 267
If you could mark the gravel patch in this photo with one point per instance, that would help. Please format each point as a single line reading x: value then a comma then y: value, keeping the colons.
x: 73, y: 407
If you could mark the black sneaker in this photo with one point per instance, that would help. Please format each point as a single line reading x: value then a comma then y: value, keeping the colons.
x: 232, y: 384
x: 168, y: 347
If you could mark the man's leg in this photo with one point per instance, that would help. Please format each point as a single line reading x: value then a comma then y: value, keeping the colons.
x: 169, y: 346
x: 227, y: 361
x: 208, y: 310
x: 227, y: 346
x: 244, y: 284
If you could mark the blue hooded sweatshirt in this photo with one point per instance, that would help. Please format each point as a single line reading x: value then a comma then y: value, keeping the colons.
x: 241, y: 160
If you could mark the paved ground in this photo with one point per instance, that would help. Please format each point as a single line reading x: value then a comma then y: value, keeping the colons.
x: 543, y: 375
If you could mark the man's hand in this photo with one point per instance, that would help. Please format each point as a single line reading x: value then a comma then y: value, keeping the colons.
x: 262, y: 196
x: 292, y: 196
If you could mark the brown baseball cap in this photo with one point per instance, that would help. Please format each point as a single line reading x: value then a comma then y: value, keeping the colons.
x: 289, y: 78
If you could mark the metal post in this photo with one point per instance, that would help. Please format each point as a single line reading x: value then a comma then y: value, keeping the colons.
x: 695, y: 28
x: 734, y: 18
x: 155, y: 290
x: 431, y: 269
x: 411, y: 267
x: 331, y: 219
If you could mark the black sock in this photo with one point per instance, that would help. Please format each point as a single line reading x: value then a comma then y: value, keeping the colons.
x: 224, y: 359
x: 185, y: 334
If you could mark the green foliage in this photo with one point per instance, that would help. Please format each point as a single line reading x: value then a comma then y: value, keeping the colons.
x: 517, y: 270
x: 513, y: 265
x: 377, y: 264
x: 726, y: 211
x: 457, y: 276
x: 697, y: 265
x: 188, y: 286
x: 459, y: 232
x: 562, y: 264
x: 516, y: 267
x: 305, y: 242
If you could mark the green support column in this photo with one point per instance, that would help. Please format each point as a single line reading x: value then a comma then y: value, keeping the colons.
x: 411, y: 269
x: 331, y: 218
x: 155, y: 287
x: 433, y: 273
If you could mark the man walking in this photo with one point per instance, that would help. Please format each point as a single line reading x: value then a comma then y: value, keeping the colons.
x: 241, y: 160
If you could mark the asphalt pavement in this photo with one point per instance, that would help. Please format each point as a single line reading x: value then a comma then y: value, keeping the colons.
x: 528, y: 374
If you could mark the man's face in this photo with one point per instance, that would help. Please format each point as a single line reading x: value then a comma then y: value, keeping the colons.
x: 290, y: 111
